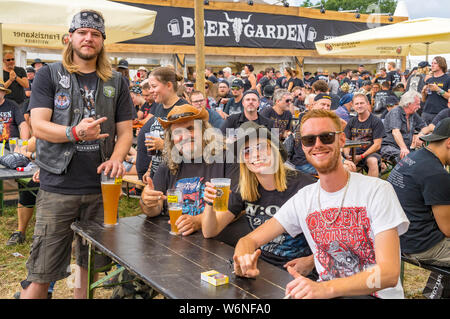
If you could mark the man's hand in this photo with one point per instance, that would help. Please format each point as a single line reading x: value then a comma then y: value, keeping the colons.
x: 112, y: 167
x: 246, y: 265
x: 154, y: 143
x: 36, y: 177
x: 303, y: 265
x: 12, y: 76
x: 349, y: 165
x: 403, y: 152
x: 304, y: 288
x: 150, y: 198
x: 186, y: 224
x: 89, y: 129
x: 433, y: 87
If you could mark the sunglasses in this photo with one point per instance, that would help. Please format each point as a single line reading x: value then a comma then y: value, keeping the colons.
x: 235, y: 88
x: 9, y: 60
x: 288, y: 101
x: 189, y: 85
x: 206, y: 87
x: 177, y: 116
x: 325, y: 138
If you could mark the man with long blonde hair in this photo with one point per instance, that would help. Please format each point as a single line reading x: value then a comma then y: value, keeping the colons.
x: 81, y: 115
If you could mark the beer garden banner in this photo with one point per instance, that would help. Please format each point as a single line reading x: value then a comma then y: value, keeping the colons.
x: 175, y: 26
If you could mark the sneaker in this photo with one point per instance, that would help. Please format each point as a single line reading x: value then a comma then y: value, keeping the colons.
x: 16, y: 238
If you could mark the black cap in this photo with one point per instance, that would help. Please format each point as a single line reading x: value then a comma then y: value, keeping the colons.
x: 123, y: 64
x: 391, y: 100
x: 423, y: 64
x: 37, y: 61
x: 30, y: 69
x: 307, y: 73
x: 237, y: 82
x: 322, y: 96
x: 261, y: 131
x: 367, y: 82
x: 268, y: 90
x: 440, y: 132
x: 251, y: 92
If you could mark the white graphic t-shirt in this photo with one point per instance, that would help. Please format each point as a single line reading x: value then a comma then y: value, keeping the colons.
x: 347, y: 246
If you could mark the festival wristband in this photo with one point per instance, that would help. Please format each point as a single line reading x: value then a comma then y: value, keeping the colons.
x: 74, y: 133
x: 441, y: 92
x: 362, y: 156
x: 69, y: 134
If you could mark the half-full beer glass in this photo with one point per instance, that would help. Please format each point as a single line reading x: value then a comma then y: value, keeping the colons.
x: 222, y: 185
x: 111, y: 188
x: 175, y: 207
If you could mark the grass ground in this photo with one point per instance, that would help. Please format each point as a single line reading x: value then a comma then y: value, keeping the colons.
x: 12, y: 268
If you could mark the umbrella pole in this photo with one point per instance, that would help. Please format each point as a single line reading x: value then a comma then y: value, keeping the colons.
x: 199, y: 46
x: 427, y: 50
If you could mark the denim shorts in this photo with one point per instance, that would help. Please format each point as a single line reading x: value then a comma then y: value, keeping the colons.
x: 51, y: 249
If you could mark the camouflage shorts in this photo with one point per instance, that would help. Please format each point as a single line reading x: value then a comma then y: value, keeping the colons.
x: 132, y: 288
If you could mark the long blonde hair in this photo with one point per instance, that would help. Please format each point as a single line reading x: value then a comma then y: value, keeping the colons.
x: 248, y: 182
x: 103, y: 65
x: 214, y: 141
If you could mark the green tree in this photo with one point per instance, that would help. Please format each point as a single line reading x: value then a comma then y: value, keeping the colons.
x: 364, y: 6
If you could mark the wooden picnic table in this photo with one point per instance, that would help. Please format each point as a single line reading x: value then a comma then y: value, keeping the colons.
x: 172, y: 264
x: 354, y: 144
x: 12, y: 174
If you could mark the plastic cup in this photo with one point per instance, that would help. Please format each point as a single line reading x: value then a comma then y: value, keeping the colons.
x: 222, y: 185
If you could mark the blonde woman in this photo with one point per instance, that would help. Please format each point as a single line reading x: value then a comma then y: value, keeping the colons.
x: 264, y: 186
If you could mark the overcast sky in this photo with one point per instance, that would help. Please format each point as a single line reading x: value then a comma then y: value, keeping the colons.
x: 428, y: 8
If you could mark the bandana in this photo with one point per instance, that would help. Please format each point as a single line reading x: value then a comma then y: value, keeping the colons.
x: 88, y: 19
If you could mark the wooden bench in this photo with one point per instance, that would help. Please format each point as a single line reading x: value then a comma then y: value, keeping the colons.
x: 131, y: 179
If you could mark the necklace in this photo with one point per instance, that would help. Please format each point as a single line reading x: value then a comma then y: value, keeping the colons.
x: 340, y: 208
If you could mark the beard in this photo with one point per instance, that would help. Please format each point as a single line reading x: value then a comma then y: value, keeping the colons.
x: 325, y: 167
x: 87, y: 56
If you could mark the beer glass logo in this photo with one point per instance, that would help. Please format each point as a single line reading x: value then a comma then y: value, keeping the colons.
x: 174, y: 27
x: 312, y: 34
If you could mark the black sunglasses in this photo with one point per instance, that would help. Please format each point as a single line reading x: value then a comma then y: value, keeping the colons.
x: 8, y: 60
x: 325, y: 138
x: 177, y: 116
x: 288, y: 101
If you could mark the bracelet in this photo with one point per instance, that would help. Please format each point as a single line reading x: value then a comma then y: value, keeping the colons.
x: 362, y: 156
x: 33, y: 156
x: 69, y: 134
x: 441, y: 92
x: 74, y: 133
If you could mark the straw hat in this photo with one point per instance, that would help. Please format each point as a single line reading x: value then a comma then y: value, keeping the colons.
x: 2, y: 88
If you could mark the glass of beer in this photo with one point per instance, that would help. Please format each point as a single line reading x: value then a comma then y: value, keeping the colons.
x: 111, y: 189
x: 148, y: 136
x: 222, y: 185
x: 175, y: 207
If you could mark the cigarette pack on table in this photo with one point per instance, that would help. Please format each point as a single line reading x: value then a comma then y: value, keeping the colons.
x: 214, y: 277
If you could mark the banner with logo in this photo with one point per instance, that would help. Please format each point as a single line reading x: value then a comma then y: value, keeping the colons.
x: 175, y: 26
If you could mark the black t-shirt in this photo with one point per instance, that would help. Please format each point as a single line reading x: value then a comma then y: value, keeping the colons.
x: 309, y: 82
x: 435, y: 102
x: 394, y: 78
x: 152, y: 125
x: 81, y: 174
x: 282, y: 122
x: 145, y: 108
x: 440, y: 116
x: 10, y: 118
x: 380, y: 102
x: 283, y: 248
x: 298, y: 157
x: 420, y: 181
x: 381, y: 80
x: 191, y: 179
x: 236, y: 120
x: 233, y: 107
x: 266, y: 81
x: 416, y: 83
x: 17, y: 91
x: 369, y: 130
